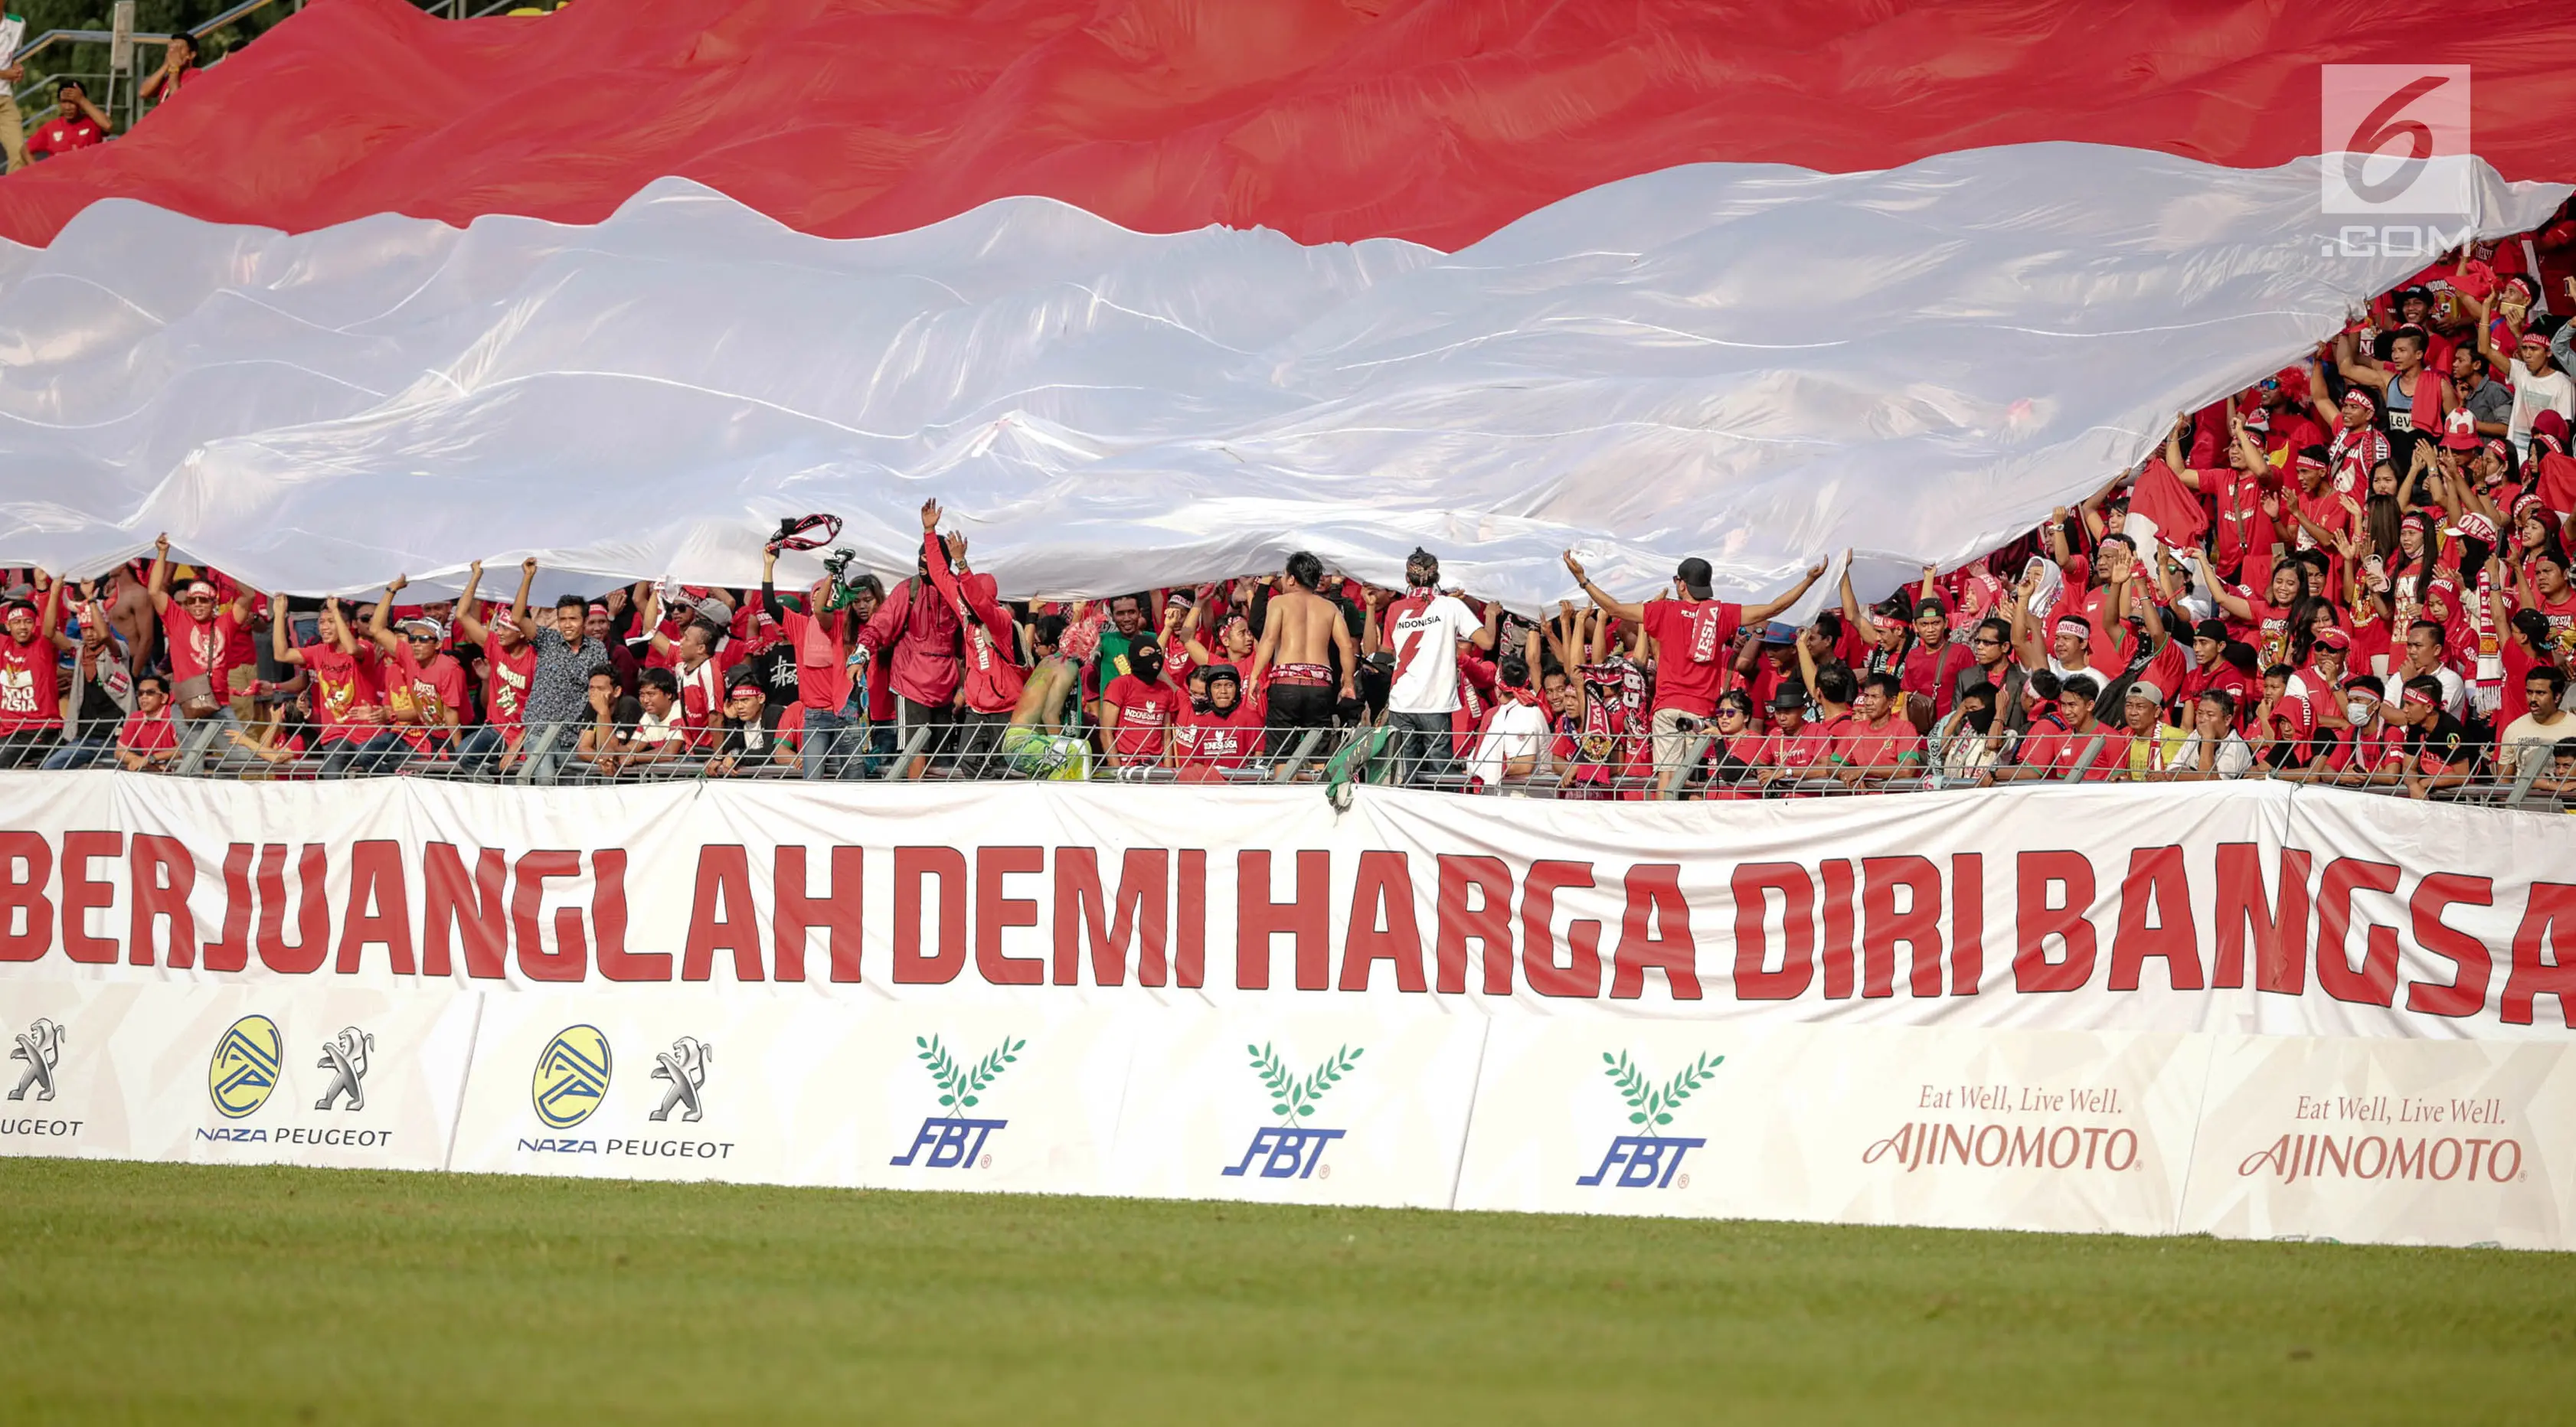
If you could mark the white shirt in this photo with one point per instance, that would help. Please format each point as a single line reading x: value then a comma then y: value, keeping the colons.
x: 1424, y: 635
x: 2534, y: 394
x: 1514, y: 731
x: 651, y: 732
x: 2455, y: 690
x: 2527, y: 729
x: 2235, y: 755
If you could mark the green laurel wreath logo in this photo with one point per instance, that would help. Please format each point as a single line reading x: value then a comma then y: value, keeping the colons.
x: 1651, y: 1103
x: 1291, y: 1096
x: 961, y: 1085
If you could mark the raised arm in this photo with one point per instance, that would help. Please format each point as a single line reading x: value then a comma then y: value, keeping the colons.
x: 341, y: 634
x: 158, y: 584
x: 2367, y: 373
x: 2026, y: 643
x: 1633, y: 613
x: 1765, y: 611
x: 519, y: 602
x: 278, y: 643
x: 2218, y: 591
x: 377, y: 623
x: 466, y: 623
x: 1855, y: 619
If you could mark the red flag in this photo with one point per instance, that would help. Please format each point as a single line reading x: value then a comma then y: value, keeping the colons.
x: 2161, y: 499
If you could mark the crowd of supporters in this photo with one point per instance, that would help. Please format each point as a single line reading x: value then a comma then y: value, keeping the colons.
x: 2355, y: 572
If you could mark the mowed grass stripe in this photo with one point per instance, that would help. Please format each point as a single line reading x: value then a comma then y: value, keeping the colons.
x: 161, y: 1292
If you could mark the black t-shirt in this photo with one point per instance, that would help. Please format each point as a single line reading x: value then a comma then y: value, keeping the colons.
x: 756, y: 741
x: 775, y: 668
x: 2445, y: 738
x: 98, y: 712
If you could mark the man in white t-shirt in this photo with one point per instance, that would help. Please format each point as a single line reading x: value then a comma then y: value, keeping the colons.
x: 1514, y: 732
x: 2539, y: 384
x: 2546, y: 723
x: 1423, y: 630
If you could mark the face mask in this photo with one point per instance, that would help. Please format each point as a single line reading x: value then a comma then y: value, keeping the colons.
x: 2358, y: 710
x: 1148, y: 667
x: 1201, y: 703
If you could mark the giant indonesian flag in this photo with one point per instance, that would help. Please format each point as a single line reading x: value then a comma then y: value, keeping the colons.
x: 1152, y: 291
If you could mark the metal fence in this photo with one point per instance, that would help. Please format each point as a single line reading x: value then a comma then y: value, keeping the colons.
x: 603, y: 753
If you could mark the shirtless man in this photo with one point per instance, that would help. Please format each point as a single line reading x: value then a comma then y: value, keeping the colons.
x: 1033, y: 744
x: 1297, y: 633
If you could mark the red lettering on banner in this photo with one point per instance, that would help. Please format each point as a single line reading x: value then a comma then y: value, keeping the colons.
x: 570, y: 960
x: 608, y: 923
x: 231, y: 951
x: 1189, y: 918
x: 1752, y: 885
x: 302, y: 956
x: 1257, y: 919
x: 838, y: 913
x: 26, y: 913
x: 2156, y: 883
x: 1487, y: 924
x: 2280, y: 925
x: 1967, y: 923
x: 2374, y: 982
x: 1836, y: 951
x: 2544, y: 955
x: 913, y: 966
x: 722, y: 915
x: 2040, y: 916
x: 1883, y: 927
x: 1655, y: 933
x: 1138, y: 919
x: 379, y: 910
x: 996, y: 911
x: 479, y: 921
x: 2466, y: 994
x: 1383, y: 889
x: 1581, y: 975
x: 83, y: 894
x: 162, y: 875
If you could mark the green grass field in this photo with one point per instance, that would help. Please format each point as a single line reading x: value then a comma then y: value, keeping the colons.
x: 156, y: 1292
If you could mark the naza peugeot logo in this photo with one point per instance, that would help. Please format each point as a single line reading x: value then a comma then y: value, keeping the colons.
x: 1650, y: 1160
x: 1292, y: 1150
x: 572, y: 1076
x: 954, y: 1141
x: 41, y: 1046
x: 685, y: 1066
x: 245, y: 1066
x: 346, y: 1059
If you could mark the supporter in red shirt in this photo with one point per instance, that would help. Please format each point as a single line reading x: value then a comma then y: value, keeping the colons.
x: 348, y: 704
x: 1693, y: 633
x: 1877, y: 743
x: 2053, y: 753
x: 918, y: 640
x: 834, y: 729
x: 1795, y: 747
x: 146, y: 742
x: 207, y: 636
x: 1140, y: 710
x: 31, y: 703
x: 1218, y: 738
x: 994, y: 677
x: 2212, y: 669
x: 424, y: 689
x: 178, y: 70
x: 2265, y: 617
x: 80, y: 125
x: 2242, y: 530
x: 508, y: 663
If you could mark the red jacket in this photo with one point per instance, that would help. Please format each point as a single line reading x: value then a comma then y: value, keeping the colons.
x: 993, y: 680
x: 915, y: 635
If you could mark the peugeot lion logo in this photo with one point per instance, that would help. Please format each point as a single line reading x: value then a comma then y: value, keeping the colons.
x: 572, y: 1076
x: 346, y: 1059
x: 685, y: 1066
x: 245, y: 1066
x: 41, y: 1046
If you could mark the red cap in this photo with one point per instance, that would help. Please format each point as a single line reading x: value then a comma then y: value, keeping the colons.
x: 2460, y: 431
x: 2333, y: 639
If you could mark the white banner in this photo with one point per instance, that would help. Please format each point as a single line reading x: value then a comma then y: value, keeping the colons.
x: 2257, y: 1012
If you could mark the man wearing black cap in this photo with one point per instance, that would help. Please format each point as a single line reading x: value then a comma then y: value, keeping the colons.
x: 1693, y: 634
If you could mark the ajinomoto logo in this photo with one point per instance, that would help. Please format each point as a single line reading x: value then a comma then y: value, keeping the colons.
x: 572, y: 1076
x: 1292, y: 1150
x: 956, y: 1141
x: 1648, y: 1160
x: 245, y: 1066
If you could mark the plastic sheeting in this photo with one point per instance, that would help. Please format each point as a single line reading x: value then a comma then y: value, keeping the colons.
x: 1437, y: 121
x: 1755, y: 364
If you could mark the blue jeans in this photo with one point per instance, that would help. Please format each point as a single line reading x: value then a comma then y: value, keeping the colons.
x: 368, y: 757
x: 831, y: 745
x: 85, y: 752
x: 479, y: 752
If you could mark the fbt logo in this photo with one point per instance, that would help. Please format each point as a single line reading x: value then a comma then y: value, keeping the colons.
x: 573, y: 1075
x: 955, y: 1141
x: 1292, y: 1150
x: 1649, y: 1160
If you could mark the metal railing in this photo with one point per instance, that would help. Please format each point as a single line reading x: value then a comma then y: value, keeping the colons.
x: 270, y: 744
x: 86, y: 55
